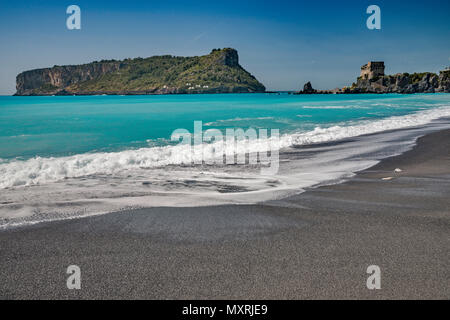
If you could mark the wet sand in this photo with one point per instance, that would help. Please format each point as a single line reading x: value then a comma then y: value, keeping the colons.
x: 316, y: 245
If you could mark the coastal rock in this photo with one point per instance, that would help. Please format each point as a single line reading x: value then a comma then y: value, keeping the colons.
x: 373, y: 80
x: 308, y: 89
x: 405, y: 83
x: 444, y: 81
x: 401, y: 81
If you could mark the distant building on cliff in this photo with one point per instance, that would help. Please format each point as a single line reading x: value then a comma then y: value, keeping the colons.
x: 372, y: 69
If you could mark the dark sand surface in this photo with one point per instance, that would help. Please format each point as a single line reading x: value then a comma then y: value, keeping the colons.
x: 316, y: 245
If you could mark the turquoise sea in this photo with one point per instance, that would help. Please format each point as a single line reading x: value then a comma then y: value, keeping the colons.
x: 61, y: 126
x: 117, y: 148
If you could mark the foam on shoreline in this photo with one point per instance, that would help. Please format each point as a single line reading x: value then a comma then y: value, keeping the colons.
x: 16, y: 173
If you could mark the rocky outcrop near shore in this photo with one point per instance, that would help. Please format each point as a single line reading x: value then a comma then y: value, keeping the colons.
x: 404, y: 83
x: 217, y: 72
x: 308, y: 89
x: 444, y: 81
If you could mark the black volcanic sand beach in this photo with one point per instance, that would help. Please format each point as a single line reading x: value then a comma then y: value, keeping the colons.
x: 314, y: 245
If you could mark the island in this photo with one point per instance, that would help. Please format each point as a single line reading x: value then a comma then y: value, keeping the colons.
x: 217, y: 72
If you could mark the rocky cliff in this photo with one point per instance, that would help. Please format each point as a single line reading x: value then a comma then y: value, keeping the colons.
x: 308, y: 89
x: 426, y: 82
x: 377, y: 82
x: 218, y: 72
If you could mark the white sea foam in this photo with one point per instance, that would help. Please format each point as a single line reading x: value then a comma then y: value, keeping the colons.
x: 130, y: 180
x: 43, y: 170
x: 334, y: 107
x: 321, y: 135
x: 222, y: 121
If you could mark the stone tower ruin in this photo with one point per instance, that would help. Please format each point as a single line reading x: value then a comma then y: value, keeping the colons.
x: 372, y: 70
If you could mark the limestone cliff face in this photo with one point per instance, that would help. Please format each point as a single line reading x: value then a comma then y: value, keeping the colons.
x: 228, y: 57
x: 218, y: 72
x: 55, y: 79
x: 444, y: 81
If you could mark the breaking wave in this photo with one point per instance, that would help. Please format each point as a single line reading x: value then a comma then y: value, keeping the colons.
x: 40, y: 170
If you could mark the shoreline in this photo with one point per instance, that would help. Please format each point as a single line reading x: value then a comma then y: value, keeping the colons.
x: 293, y: 93
x: 314, y: 245
x: 404, y: 142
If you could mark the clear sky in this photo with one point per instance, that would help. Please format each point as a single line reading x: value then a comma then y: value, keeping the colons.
x: 283, y: 43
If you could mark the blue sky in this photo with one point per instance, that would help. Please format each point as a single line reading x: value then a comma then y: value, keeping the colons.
x: 283, y: 43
